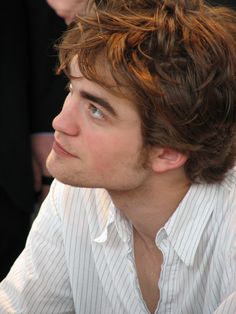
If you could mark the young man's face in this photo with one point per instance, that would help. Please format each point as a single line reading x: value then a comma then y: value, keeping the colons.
x: 98, y: 141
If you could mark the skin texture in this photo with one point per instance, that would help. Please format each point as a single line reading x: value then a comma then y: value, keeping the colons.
x: 98, y: 143
x: 104, y: 145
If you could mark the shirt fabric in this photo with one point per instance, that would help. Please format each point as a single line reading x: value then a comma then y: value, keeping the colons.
x: 79, y: 256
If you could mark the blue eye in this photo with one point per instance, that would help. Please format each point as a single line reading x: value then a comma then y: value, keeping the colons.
x: 95, y: 112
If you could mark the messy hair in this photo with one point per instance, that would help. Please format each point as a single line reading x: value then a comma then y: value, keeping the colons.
x: 178, y: 60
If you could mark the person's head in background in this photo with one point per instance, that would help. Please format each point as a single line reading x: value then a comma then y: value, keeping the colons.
x: 173, y: 64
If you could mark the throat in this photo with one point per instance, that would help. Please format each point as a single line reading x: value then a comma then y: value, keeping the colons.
x: 148, y: 261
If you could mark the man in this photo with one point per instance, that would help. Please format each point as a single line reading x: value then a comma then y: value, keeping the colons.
x: 141, y: 218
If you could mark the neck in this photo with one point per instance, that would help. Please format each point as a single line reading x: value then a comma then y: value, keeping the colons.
x: 149, y: 206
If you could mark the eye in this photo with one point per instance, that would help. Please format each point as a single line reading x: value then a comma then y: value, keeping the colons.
x: 95, y: 112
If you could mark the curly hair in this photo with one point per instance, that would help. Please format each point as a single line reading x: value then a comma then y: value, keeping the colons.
x: 178, y: 59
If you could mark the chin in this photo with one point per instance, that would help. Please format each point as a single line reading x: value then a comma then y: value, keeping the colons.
x: 61, y: 171
x: 64, y: 178
x: 65, y: 181
x: 56, y: 171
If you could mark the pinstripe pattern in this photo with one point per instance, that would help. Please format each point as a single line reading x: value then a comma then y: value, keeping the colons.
x: 79, y: 257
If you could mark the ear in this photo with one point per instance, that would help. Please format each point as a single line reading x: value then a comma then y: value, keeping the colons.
x: 165, y: 159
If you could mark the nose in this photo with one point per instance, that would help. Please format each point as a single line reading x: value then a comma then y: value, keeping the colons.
x: 65, y: 121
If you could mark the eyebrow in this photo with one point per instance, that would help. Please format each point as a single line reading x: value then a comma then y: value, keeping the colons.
x: 98, y: 100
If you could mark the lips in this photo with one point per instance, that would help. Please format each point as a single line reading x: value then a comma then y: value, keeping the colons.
x: 60, y: 150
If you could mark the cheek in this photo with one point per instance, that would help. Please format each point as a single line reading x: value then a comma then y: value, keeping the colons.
x: 107, y: 152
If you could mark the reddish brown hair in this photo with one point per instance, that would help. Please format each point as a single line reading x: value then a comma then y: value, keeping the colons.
x: 178, y: 59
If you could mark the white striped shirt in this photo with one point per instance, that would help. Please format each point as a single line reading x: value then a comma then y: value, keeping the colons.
x: 79, y: 256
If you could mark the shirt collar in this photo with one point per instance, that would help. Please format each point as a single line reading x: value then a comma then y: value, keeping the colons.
x: 119, y: 221
x: 103, y: 236
x: 185, y: 227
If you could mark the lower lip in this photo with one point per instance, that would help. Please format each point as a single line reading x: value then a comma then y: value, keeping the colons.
x: 60, y: 151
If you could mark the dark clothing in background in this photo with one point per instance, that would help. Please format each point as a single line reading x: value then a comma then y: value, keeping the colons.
x: 228, y: 3
x: 31, y: 95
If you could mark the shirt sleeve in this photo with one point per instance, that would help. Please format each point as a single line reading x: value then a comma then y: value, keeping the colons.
x: 38, y: 281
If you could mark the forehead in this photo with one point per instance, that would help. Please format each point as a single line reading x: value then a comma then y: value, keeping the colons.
x: 117, y: 96
x: 97, y: 71
x: 101, y: 75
